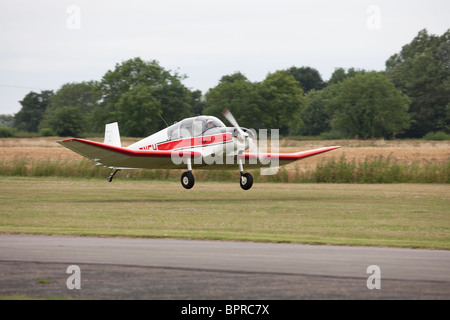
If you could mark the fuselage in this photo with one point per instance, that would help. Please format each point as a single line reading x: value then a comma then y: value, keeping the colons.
x: 206, y: 134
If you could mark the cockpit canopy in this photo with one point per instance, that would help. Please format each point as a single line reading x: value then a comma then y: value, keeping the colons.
x: 195, y: 127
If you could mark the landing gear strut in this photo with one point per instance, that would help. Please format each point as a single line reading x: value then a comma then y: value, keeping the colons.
x: 246, y: 180
x: 111, y: 176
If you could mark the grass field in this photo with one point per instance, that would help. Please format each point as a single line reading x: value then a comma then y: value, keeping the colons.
x: 402, y: 215
x: 358, y: 161
x: 40, y: 195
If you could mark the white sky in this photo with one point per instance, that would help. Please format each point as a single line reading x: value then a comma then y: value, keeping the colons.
x: 41, y: 46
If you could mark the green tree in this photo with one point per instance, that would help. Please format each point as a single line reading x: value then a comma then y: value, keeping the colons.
x: 237, y: 76
x: 6, y: 120
x: 129, y: 74
x: 238, y: 94
x: 422, y: 71
x: 197, y: 103
x: 33, y: 108
x: 315, y: 117
x: 307, y: 77
x: 368, y: 105
x: 138, y: 112
x: 166, y: 87
x: 66, y: 121
x: 175, y: 100
x: 340, y: 74
x: 83, y: 96
x: 282, y: 102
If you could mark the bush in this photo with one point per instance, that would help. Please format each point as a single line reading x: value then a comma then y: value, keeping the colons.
x: 46, y: 132
x: 6, y: 132
x: 381, y: 170
x: 437, y: 136
x: 333, y: 135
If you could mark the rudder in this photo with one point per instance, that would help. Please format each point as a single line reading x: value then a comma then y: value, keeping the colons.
x: 112, y: 135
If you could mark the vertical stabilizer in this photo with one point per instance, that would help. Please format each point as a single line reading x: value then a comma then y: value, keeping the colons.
x: 112, y: 135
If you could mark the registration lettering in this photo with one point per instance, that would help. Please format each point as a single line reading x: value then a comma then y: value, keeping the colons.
x: 149, y: 147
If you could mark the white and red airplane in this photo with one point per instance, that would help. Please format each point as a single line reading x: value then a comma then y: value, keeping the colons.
x: 202, y: 142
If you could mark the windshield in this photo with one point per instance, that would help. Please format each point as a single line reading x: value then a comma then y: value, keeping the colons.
x: 194, y: 127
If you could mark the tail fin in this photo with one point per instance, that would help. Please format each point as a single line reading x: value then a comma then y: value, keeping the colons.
x: 112, y: 135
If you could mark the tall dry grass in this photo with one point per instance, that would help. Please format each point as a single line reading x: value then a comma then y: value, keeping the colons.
x: 335, y: 170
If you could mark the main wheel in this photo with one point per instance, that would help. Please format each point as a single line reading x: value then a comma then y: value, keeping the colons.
x: 187, y: 180
x: 246, y: 181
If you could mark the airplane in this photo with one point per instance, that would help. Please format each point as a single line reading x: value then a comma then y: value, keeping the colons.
x: 201, y: 142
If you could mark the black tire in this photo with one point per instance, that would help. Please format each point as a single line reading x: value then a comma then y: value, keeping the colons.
x: 187, y: 180
x: 246, y: 181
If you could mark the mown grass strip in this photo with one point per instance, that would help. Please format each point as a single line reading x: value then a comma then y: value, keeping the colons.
x: 401, y: 215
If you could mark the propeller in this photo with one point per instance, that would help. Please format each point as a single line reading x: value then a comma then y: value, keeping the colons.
x: 243, y: 135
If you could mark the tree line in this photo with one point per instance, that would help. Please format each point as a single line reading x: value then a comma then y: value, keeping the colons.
x: 410, y: 98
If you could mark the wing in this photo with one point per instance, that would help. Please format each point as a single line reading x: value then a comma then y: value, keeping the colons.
x: 251, y: 160
x: 269, y: 159
x: 124, y: 158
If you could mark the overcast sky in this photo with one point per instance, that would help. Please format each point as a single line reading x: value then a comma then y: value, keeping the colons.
x: 45, y: 44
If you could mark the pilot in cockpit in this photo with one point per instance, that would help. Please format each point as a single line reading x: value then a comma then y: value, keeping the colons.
x: 209, y: 124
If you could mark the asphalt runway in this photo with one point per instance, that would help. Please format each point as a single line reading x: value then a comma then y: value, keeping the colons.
x: 126, y: 268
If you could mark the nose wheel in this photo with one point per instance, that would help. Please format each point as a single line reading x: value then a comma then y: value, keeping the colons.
x: 187, y: 180
x: 246, y: 181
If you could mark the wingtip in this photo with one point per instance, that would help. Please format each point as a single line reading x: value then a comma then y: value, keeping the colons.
x: 331, y: 148
x: 63, y: 141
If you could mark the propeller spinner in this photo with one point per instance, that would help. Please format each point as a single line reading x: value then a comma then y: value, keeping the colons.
x: 243, y: 135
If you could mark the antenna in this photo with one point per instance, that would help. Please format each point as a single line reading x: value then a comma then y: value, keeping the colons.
x: 163, y: 120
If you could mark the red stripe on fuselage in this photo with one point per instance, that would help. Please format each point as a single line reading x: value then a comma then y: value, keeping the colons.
x: 195, y: 142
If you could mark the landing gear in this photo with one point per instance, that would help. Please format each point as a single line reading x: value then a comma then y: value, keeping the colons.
x: 187, y: 180
x: 111, y: 176
x: 246, y: 181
